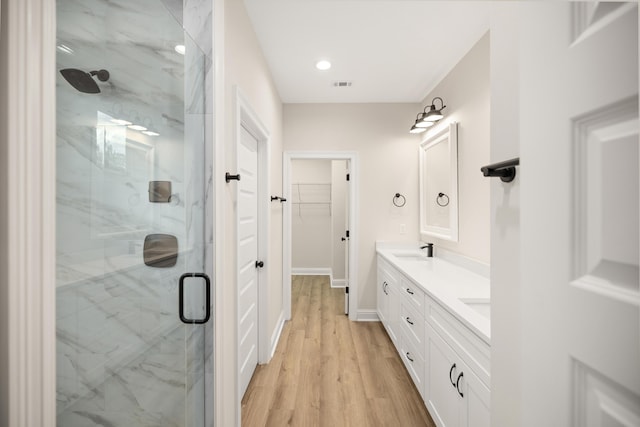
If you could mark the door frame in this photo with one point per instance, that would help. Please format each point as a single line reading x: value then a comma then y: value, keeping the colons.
x: 27, y: 215
x: 352, y: 242
x: 246, y: 117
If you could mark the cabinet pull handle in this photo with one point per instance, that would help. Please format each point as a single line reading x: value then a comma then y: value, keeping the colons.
x: 409, y: 321
x: 409, y: 291
x: 384, y: 288
x: 409, y: 357
x: 458, y: 384
x: 451, y: 372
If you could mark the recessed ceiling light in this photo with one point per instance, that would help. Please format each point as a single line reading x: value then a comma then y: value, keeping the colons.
x: 180, y: 48
x: 323, y: 65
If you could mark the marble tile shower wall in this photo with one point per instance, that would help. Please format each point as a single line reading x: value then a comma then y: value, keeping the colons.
x: 121, y: 350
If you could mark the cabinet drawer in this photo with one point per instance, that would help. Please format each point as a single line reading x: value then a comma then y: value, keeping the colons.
x: 413, y: 324
x: 412, y: 293
x: 414, y: 362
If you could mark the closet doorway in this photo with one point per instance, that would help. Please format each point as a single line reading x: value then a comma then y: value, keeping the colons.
x: 320, y: 234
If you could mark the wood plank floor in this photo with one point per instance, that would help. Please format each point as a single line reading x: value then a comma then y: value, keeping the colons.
x: 329, y: 371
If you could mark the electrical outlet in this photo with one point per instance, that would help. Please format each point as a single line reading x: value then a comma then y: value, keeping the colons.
x: 403, y: 228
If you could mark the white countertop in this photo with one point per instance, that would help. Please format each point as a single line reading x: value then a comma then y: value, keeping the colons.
x: 446, y: 282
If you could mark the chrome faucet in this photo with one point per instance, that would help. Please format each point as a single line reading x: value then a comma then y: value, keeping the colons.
x: 429, y: 247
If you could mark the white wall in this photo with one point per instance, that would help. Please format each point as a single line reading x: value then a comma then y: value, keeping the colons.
x: 505, y: 220
x: 239, y: 63
x: 466, y: 93
x: 311, y: 238
x: 388, y: 159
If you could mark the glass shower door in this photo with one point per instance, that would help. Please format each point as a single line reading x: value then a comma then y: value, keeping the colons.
x: 132, y: 293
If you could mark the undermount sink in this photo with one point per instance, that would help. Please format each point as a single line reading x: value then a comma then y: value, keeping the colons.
x: 481, y: 306
x: 410, y: 256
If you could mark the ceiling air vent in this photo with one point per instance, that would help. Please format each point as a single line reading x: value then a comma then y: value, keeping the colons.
x: 342, y: 84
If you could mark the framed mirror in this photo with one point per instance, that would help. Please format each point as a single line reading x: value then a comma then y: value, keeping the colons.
x: 439, y: 184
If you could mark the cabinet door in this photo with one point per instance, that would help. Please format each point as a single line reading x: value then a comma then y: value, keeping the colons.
x: 393, y: 312
x: 442, y: 370
x: 382, y: 296
x: 476, y: 401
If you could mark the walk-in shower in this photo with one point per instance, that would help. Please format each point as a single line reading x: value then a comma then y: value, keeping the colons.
x: 133, y: 161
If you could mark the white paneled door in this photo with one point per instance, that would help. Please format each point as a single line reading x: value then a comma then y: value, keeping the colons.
x: 580, y: 235
x: 248, y: 263
x: 347, y: 221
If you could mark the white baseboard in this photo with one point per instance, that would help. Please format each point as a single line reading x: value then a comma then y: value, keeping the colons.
x: 275, y: 337
x: 338, y: 283
x: 311, y: 271
x: 368, y: 316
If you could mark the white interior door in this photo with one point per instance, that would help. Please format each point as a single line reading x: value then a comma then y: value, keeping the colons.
x: 248, y: 262
x: 347, y: 241
x: 579, y: 148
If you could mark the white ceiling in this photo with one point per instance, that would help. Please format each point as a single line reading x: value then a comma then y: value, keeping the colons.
x: 392, y: 51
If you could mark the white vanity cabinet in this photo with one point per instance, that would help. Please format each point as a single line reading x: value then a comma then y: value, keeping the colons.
x: 448, y: 362
x: 457, y: 365
x: 388, y: 302
x: 455, y: 396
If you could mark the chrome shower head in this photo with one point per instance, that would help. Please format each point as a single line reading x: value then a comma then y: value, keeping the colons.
x: 83, y: 81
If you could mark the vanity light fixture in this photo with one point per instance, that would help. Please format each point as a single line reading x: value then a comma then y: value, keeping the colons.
x: 433, y: 115
x: 428, y: 118
x: 418, y: 129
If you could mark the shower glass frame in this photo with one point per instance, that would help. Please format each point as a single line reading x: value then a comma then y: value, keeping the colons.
x: 124, y: 358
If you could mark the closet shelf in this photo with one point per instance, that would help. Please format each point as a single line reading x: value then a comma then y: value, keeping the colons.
x: 312, y: 194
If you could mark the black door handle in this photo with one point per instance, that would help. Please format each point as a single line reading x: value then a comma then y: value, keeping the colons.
x: 259, y: 264
x: 207, y: 301
x: 343, y: 238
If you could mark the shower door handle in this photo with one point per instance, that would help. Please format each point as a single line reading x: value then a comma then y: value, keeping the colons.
x: 207, y: 302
